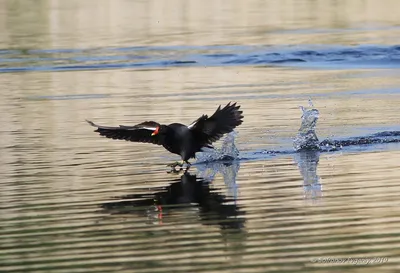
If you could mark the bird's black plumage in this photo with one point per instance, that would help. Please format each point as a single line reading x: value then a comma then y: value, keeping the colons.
x: 178, y: 138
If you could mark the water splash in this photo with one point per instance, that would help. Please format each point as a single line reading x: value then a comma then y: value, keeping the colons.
x: 306, y: 138
x: 227, y: 152
x: 329, y: 145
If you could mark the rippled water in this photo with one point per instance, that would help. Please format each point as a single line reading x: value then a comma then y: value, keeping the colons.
x: 147, y: 57
x: 72, y: 201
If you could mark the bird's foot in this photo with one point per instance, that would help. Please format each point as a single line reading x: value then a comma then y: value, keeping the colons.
x: 175, y: 164
x: 176, y: 171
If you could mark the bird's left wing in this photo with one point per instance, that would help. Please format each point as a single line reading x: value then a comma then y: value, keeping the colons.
x: 209, y: 129
x: 143, y: 132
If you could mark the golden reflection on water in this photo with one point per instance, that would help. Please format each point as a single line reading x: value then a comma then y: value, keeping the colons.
x: 97, y: 23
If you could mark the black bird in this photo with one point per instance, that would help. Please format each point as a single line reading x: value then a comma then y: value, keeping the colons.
x: 178, y: 138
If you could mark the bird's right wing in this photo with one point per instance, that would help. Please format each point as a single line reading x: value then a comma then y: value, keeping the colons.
x: 142, y: 132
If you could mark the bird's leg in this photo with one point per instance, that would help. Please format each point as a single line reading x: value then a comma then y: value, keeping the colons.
x: 188, y: 165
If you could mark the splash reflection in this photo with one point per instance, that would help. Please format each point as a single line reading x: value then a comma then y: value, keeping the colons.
x: 307, y: 161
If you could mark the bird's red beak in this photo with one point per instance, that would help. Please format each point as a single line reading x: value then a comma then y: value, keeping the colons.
x: 155, y: 131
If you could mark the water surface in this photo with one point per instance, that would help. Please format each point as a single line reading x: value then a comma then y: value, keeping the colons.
x: 74, y: 202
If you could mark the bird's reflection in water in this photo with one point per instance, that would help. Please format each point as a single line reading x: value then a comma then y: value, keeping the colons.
x: 307, y: 161
x: 187, y: 192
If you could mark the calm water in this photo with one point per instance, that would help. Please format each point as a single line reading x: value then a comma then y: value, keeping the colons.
x: 74, y: 202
